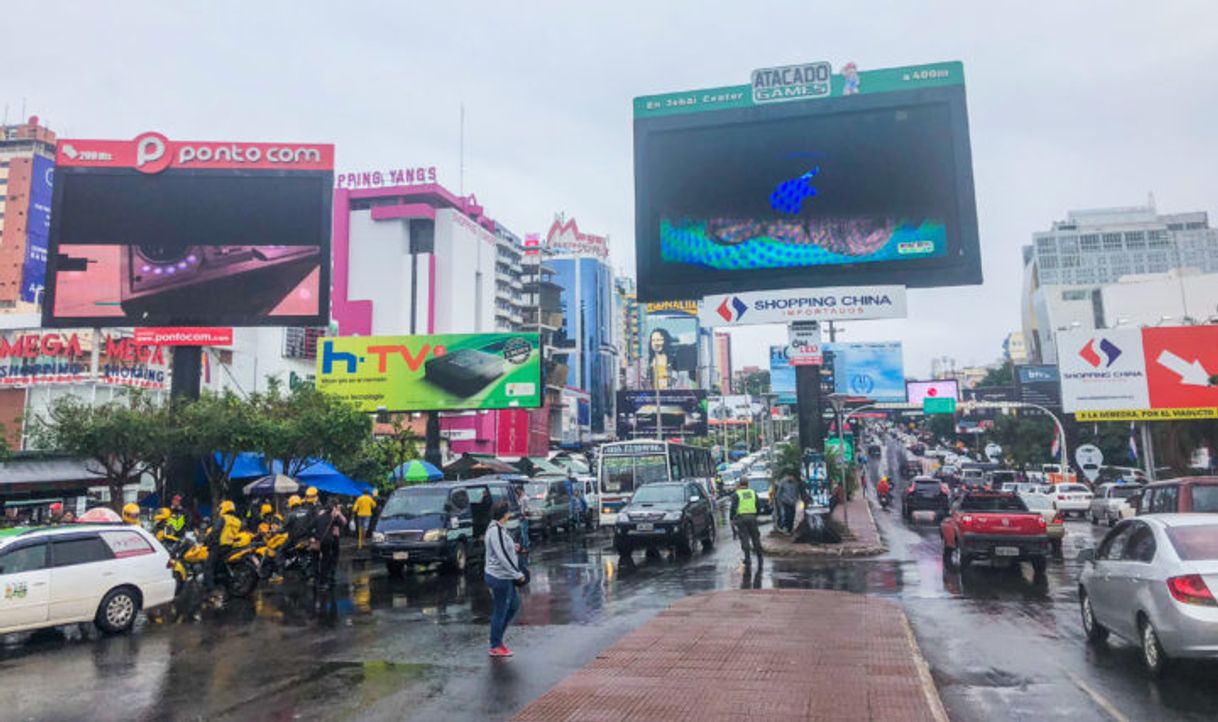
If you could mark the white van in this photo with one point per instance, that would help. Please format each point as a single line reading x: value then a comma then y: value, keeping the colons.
x: 100, y: 573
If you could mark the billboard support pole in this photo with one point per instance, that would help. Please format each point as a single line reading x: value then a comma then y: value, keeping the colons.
x: 808, y: 410
x: 185, y: 383
x: 431, y: 448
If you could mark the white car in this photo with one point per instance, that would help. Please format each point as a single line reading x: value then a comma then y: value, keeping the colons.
x: 1111, y: 502
x: 1072, y: 499
x: 100, y: 573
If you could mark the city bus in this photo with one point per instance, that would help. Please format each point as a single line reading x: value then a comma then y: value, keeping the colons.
x: 624, y: 466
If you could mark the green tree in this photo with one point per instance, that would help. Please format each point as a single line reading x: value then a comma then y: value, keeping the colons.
x: 757, y: 383
x: 305, y: 425
x: 1003, y: 375
x: 1025, y: 439
x: 943, y: 426
x: 121, y: 439
x: 379, y: 457
x: 218, y: 427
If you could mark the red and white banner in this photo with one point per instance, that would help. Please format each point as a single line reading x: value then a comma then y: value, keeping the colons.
x: 184, y: 336
x: 152, y: 153
x: 1140, y: 373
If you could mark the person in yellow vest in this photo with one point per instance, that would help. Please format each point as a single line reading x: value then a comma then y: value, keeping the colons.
x: 744, y: 519
x: 363, y: 507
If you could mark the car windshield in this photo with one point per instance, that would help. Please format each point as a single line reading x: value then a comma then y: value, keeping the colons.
x: 1205, y: 498
x: 412, y: 503
x: 1195, y: 543
x: 992, y: 503
x: 536, y: 490
x: 659, y: 494
x: 759, y: 483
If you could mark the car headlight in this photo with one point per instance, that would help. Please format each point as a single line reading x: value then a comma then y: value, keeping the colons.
x: 377, y: 537
x: 606, y: 510
x: 434, y: 535
x: 672, y: 516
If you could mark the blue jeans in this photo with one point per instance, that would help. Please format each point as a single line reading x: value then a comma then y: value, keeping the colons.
x: 524, y: 532
x: 507, y: 602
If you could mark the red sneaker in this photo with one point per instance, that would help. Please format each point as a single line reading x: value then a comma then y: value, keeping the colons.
x: 500, y: 651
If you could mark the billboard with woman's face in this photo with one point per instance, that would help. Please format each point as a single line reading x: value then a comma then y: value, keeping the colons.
x: 670, y: 352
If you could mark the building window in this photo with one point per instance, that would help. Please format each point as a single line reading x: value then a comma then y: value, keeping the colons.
x: 1069, y: 244
x: 1194, y: 226
x: 422, y: 235
x: 1070, y: 262
x: 1076, y: 294
x: 1089, y: 242
x: 1159, y: 239
x: 1048, y: 244
x: 1048, y: 262
x: 1112, y: 241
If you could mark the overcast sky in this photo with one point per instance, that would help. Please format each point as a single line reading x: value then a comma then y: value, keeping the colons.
x: 1071, y: 104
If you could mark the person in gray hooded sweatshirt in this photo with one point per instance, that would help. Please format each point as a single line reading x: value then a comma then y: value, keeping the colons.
x: 503, y: 572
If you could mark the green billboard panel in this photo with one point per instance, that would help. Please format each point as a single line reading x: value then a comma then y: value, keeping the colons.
x: 940, y: 405
x: 443, y: 372
x: 832, y: 443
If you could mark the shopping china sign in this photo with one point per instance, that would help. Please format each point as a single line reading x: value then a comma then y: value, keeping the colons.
x: 152, y: 152
x: 1140, y: 373
x: 852, y: 303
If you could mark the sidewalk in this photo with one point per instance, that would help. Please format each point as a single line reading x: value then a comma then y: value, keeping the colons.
x: 865, y: 542
x: 772, y: 654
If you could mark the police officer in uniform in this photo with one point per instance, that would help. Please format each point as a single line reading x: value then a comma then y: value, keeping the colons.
x: 744, y: 520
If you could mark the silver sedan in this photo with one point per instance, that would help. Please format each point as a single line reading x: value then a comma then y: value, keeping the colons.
x: 1152, y: 581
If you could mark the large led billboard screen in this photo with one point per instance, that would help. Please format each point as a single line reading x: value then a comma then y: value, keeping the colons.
x: 870, y: 186
x: 441, y: 372
x: 153, y: 232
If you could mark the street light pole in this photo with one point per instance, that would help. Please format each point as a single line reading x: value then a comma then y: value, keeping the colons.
x: 839, y: 402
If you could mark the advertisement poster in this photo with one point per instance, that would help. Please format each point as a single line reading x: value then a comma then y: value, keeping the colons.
x: 682, y: 413
x: 782, y: 375
x: 1102, y: 370
x: 670, y: 351
x: 918, y: 391
x: 38, y: 230
x: 872, y: 369
x: 444, y: 372
x: 1040, y: 385
x: 189, y: 234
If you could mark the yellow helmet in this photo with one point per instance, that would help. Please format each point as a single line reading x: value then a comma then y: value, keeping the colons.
x: 265, y: 509
x: 311, y: 494
x: 131, y: 513
x: 227, y: 507
x: 162, y: 514
x: 293, y: 501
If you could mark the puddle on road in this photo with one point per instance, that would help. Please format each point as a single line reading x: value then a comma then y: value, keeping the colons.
x: 334, y: 690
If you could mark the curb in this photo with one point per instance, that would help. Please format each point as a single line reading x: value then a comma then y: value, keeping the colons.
x: 928, y: 682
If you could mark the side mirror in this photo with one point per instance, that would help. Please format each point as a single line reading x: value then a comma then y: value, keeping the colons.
x: 1087, y: 556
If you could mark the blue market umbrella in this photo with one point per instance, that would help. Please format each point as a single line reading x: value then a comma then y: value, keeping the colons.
x: 417, y: 470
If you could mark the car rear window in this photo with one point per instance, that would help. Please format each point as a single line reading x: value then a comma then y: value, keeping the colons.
x: 1072, y: 488
x: 1123, y: 492
x: 1205, y: 498
x: 79, y: 551
x: 925, y: 485
x: 1037, y: 503
x: 992, y: 503
x: 1195, y: 543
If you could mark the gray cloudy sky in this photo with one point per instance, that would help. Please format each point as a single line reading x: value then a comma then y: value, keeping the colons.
x: 1071, y: 104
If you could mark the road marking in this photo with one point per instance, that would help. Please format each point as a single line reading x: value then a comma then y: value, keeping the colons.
x: 1099, y: 699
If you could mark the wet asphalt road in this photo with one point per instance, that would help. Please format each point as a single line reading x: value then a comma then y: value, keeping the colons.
x: 1001, y: 645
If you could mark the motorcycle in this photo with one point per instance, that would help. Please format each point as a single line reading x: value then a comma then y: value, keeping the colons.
x: 885, y: 500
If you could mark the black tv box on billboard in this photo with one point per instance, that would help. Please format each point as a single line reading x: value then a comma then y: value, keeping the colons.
x: 464, y: 372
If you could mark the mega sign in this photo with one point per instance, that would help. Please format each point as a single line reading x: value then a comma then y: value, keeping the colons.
x: 28, y: 359
x: 819, y: 304
x: 1140, y: 373
x: 433, y: 373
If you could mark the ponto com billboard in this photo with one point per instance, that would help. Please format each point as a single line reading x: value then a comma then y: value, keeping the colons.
x: 443, y: 372
x: 156, y: 232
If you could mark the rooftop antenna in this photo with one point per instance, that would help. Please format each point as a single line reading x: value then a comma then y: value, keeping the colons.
x: 461, y: 165
x: 1150, y: 199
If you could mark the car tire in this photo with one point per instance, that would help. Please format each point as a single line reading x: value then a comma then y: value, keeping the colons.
x: 1111, y: 521
x: 960, y: 560
x: 460, y: 558
x: 708, y: 540
x: 395, y: 569
x: 947, y: 555
x: 1153, y: 656
x: 623, y: 547
x: 1039, y: 564
x: 118, y: 609
x: 1096, y: 632
x: 685, y: 544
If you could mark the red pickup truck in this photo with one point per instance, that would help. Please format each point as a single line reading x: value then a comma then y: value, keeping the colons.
x: 994, y: 525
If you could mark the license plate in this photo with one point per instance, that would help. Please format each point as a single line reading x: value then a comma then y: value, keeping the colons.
x: 1006, y: 551
x: 401, y: 556
x: 645, y: 526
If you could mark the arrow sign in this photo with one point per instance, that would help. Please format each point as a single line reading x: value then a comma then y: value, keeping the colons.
x: 1191, y: 374
x: 69, y: 151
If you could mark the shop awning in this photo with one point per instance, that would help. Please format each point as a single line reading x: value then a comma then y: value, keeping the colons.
x: 20, y: 477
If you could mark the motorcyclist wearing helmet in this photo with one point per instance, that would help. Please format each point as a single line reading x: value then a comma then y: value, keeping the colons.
x: 177, y: 516
x: 298, y: 520
x: 131, y: 514
x: 883, y: 486
x: 220, y: 539
x: 162, y: 527
x: 269, y: 521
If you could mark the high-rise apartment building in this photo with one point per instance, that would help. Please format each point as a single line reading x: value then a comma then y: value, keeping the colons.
x: 27, y: 163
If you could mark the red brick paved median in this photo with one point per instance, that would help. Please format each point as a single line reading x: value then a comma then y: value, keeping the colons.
x: 769, y: 654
